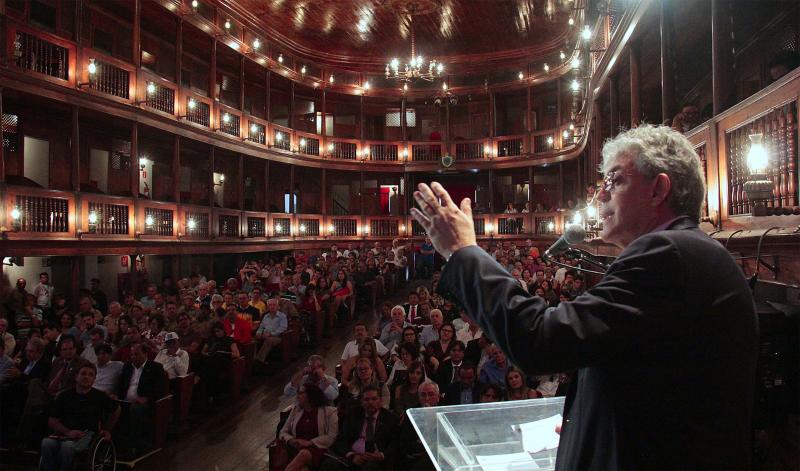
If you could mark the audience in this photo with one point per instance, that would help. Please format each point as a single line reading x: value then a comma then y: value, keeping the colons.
x: 310, y: 429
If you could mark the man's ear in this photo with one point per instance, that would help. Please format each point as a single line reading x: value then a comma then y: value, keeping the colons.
x: 661, y: 187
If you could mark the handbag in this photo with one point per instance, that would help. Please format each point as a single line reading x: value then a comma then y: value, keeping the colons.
x: 278, y: 452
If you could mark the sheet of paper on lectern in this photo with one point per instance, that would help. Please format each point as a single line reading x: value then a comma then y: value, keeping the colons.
x: 507, y: 462
x: 541, y: 434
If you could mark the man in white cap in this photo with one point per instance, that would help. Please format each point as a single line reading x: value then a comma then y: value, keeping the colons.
x: 174, y: 359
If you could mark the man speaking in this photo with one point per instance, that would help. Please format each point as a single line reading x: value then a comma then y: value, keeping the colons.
x: 665, y: 344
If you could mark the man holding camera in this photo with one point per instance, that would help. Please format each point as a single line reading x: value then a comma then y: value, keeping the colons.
x: 313, y: 373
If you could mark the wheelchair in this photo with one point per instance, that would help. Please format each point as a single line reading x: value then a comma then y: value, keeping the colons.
x: 101, y: 455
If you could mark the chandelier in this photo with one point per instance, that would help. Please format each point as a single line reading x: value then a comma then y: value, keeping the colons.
x: 415, y: 68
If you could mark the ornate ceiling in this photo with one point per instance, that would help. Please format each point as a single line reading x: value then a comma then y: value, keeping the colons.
x: 361, y: 35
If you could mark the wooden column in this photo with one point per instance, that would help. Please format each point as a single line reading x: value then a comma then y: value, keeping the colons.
x: 361, y: 129
x: 267, y: 187
x: 613, y: 101
x: 636, y: 101
x: 447, y: 125
x: 2, y: 153
x: 74, y: 150
x: 404, y: 137
x: 211, y: 198
x: 721, y: 56
x: 176, y: 267
x: 529, y: 111
x: 135, y: 159
x: 240, y: 185
x: 179, y: 54
x: 324, y: 193
x: 77, y: 21
x: 558, y: 103
x: 491, y: 190
x: 292, y: 209
x: 324, y: 140
x: 268, y: 97
x: 176, y: 169
x: 361, y: 192
x: 598, y: 129
x: 132, y: 274
x: 407, y: 197
x: 492, y: 115
x: 241, y: 83
x: 291, y: 104
x: 137, y: 33
x: 560, y: 191
x: 667, y: 72
x: 212, y: 77
x: 530, y: 187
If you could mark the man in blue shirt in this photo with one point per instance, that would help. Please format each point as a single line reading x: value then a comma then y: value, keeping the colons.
x: 426, y: 252
x: 272, y: 326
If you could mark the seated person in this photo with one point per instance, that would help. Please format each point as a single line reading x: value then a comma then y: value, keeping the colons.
x: 516, y: 389
x: 272, y: 326
x: 360, y: 333
x: 310, y: 429
x: 62, y: 374
x: 366, y: 439
x: 407, y: 353
x: 8, y: 340
x: 491, y: 393
x: 494, y: 370
x: 430, y: 332
x: 141, y: 385
x: 364, y: 376
x: 172, y: 357
x: 239, y: 329
x: 365, y: 350
x: 412, y: 454
x: 79, y: 413
x: 215, y: 365
x: 405, y: 394
x: 108, y: 370
x: 95, y: 338
x: 448, y: 371
x: 466, y: 390
x: 189, y: 339
x: 436, y: 351
x: 392, y: 333
x: 313, y: 373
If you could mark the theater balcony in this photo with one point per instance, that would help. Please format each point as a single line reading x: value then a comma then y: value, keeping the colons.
x: 178, y: 128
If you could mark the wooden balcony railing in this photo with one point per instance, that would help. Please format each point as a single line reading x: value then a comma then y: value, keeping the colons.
x: 344, y: 149
x: 196, y: 222
x: 543, y: 142
x: 426, y: 151
x: 111, y: 77
x: 42, y: 53
x: 511, y: 146
x: 41, y: 212
x: 307, y: 144
x: 281, y: 137
x: 310, y: 225
x: 229, y: 121
x: 383, y: 152
x: 256, y: 225
x: 157, y: 219
x: 384, y: 227
x: 228, y: 224
x: 107, y: 216
x: 470, y: 150
x: 344, y: 226
x: 281, y: 225
x: 257, y: 132
x: 197, y: 109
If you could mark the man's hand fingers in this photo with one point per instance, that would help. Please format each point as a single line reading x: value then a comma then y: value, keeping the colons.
x: 426, y: 194
x: 442, y: 194
x: 421, y: 218
x: 466, y: 207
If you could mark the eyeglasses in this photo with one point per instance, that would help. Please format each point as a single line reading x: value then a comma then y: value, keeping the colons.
x: 611, y: 180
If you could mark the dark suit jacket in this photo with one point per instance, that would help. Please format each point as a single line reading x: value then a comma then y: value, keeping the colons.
x: 386, y: 429
x: 444, y: 375
x: 151, y: 383
x: 452, y: 393
x: 41, y: 370
x: 665, y: 346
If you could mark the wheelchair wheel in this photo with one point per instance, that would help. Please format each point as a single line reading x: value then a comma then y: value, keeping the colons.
x: 103, y: 457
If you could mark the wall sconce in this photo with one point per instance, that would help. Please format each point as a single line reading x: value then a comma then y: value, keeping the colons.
x: 92, y: 218
x: 303, y: 143
x: 330, y: 148
x: 549, y: 140
x: 521, y: 76
x: 575, y: 86
x: 280, y: 58
x: 546, y: 68
x: 92, y: 72
x: 149, y: 221
x: 190, y: 106
x: 150, y: 90
x: 302, y: 228
x: 331, y: 79
x: 561, y: 55
x: 586, y: 34
x: 490, y: 228
x: 402, y: 228
x: 143, y: 163
x: 221, y: 180
x: 278, y: 137
x: 487, y: 149
x: 758, y: 187
x: 278, y: 229
x: 365, y: 153
x: 256, y: 44
x: 226, y: 118
x: 365, y: 230
x: 331, y: 229
x: 405, y: 153
x: 551, y: 226
x: 195, y: 4
x: 576, y: 62
x: 254, y: 134
x: 227, y: 25
x: 565, y: 134
x: 303, y: 70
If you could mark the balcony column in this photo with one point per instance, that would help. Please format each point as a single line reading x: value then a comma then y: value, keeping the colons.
x: 212, y: 78
x: 529, y: 112
x: 492, y: 115
x: 134, y: 182
x: 597, y: 142
x: 74, y: 151
x: 403, y: 135
x: 491, y: 191
x: 559, y: 106
x: 75, y: 263
x: 721, y: 56
x: 291, y: 104
x: 324, y: 192
x: 447, y: 126
x: 323, y: 139
x: 636, y: 100
x: 176, y: 169
x: 560, y: 191
x: 137, y: 33
x: 241, y: 84
x: 361, y: 193
x: 179, y: 53
x: 361, y: 132
x: 292, y: 209
x: 266, y: 186
x: 211, y: 197
x: 266, y: 105
x: 613, y: 100
x: 667, y: 72
x: 240, y: 186
x: 2, y: 155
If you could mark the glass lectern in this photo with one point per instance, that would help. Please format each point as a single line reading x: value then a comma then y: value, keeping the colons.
x: 496, y: 436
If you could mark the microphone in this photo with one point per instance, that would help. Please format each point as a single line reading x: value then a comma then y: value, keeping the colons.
x: 573, y: 234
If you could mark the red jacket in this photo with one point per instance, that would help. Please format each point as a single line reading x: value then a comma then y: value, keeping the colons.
x: 241, y: 331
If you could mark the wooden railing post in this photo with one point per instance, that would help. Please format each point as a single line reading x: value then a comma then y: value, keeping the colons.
x: 636, y: 102
x: 721, y: 56
x: 667, y: 72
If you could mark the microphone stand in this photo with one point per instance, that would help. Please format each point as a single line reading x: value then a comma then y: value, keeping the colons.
x: 582, y: 255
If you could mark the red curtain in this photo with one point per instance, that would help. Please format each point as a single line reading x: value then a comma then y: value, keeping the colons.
x: 384, y: 198
x: 459, y: 192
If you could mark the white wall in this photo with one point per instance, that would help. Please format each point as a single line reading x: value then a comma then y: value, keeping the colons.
x: 36, y: 160
x: 105, y: 268
x: 145, y: 177
x: 219, y: 189
x: 98, y: 168
x: 155, y: 269
x: 33, y: 266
